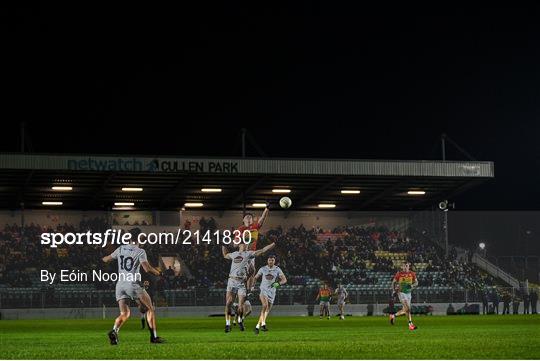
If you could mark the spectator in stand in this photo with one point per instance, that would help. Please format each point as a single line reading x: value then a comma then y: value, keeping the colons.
x: 534, y: 300
x: 169, y: 277
x: 495, y: 300
x: 526, y: 303
x: 485, y: 302
x: 515, y: 304
x: 507, y: 298
x: 305, y: 253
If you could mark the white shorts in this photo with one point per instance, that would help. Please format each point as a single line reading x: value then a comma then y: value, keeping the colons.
x: 236, y: 286
x: 269, y: 293
x: 405, y: 298
x: 341, y: 303
x: 129, y: 290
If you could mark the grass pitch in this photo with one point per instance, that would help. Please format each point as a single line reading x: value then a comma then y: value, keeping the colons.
x: 454, y: 337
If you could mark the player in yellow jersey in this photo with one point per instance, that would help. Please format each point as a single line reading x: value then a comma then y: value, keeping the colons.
x: 253, y: 228
x: 323, y: 297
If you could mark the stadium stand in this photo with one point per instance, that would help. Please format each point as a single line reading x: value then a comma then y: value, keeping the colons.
x: 364, y: 258
x: 361, y: 254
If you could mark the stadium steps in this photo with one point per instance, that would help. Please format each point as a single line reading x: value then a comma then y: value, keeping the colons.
x: 494, y: 271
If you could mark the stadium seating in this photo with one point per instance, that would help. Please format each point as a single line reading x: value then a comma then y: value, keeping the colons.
x: 364, y: 259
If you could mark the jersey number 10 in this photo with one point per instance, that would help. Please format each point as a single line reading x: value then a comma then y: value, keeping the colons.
x: 126, y: 263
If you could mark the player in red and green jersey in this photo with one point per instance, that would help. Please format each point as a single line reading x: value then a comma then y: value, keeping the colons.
x: 405, y: 280
x: 323, y: 297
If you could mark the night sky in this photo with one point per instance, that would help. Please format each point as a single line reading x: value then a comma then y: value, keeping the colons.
x: 306, y: 79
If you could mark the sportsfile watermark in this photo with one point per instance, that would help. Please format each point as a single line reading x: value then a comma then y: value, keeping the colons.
x: 121, y: 237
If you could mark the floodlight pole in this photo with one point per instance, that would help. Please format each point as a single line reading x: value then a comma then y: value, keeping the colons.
x: 445, y: 226
x: 445, y: 138
x: 244, y: 142
x: 22, y: 136
x: 445, y: 212
x: 443, y: 146
x: 244, y: 131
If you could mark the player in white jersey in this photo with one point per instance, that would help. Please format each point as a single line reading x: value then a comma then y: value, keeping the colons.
x: 272, y: 278
x: 237, y: 277
x: 342, y: 295
x: 130, y: 258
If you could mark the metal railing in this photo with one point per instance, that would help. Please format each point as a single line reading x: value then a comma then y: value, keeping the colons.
x: 297, y: 295
x: 494, y: 270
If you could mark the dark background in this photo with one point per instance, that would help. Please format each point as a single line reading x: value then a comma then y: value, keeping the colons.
x: 307, y: 79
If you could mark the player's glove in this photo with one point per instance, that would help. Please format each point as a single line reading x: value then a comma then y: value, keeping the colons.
x: 276, y: 285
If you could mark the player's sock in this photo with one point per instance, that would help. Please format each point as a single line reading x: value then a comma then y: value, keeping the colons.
x: 258, y: 325
x: 153, y: 332
x: 116, y: 328
x: 240, y: 323
x: 228, y: 322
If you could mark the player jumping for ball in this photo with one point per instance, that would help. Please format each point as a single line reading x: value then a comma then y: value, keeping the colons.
x: 323, y: 297
x: 253, y: 229
x: 272, y: 278
x: 237, y: 278
x: 406, y: 281
x: 130, y: 258
x: 342, y: 294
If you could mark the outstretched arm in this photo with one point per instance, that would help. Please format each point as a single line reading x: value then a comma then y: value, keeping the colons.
x: 112, y: 256
x: 225, y: 252
x: 265, y: 249
x: 262, y: 218
x: 148, y: 268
